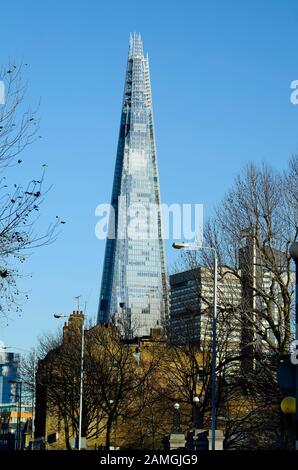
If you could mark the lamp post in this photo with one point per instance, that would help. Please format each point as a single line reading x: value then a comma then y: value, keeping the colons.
x: 113, y: 425
x: 194, y: 246
x: 176, y: 419
x: 61, y: 315
x: 196, y: 415
x: 294, y: 255
x: 33, y: 386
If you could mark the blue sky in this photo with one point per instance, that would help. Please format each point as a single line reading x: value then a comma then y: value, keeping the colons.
x: 220, y: 72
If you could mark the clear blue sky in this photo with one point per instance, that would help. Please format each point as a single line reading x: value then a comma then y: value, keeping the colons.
x: 220, y: 73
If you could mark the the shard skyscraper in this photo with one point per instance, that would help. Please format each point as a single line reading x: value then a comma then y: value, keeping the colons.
x: 134, y: 281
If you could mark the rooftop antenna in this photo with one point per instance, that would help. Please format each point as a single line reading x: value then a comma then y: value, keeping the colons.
x: 77, y: 298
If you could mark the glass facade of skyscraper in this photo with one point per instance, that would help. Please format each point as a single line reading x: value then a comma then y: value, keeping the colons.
x: 134, y: 281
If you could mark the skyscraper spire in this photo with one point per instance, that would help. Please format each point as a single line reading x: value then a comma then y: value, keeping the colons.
x: 130, y: 48
x: 134, y: 280
x: 137, y: 45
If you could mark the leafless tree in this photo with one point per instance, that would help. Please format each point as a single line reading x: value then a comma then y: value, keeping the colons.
x: 251, y: 231
x: 253, y: 213
x: 19, y: 205
x: 114, y: 389
x: 119, y: 376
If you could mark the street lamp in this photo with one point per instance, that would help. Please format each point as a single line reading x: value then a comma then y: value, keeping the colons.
x: 176, y: 419
x: 194, y: 246
x: 196, y: 416
x: 61, y: 315
x: 113, y: 425
x: 33, y: 387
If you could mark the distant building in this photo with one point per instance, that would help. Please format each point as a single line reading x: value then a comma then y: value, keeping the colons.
x: 243, y: 295
x: 191, y: 304
x: 15, y: 425
x: 185, y: 307
x: 258, y: 284
x: 9, y: 364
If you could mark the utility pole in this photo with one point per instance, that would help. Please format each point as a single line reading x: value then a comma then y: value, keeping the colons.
x: 294, y: 255
x: 194, y: 246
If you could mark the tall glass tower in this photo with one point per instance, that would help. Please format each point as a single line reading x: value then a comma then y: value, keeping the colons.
x: 134, y: 280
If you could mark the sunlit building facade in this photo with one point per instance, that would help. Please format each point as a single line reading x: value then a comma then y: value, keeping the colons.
x: 134, y: 280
